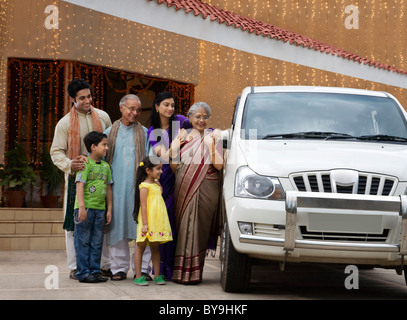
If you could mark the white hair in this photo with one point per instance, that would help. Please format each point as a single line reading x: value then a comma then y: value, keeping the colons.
x: 199, y: 105
x: 128, y: 97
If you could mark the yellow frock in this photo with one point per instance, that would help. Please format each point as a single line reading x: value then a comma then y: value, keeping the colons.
x: 159, y: 229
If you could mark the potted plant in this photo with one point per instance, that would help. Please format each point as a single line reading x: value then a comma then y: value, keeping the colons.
x: 15, y: 174
x: 53, y: 178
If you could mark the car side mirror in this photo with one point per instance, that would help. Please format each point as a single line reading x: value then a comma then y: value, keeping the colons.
x: 226, y: 138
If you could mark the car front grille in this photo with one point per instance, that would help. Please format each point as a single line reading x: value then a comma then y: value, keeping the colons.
x: 341, y: 236
x: 367, y: 183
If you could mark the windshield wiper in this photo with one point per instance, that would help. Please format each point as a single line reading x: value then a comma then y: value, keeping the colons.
x: 382, y: 137
x: 336, y: 135
x: 282, y: 135
x: 310, y: 134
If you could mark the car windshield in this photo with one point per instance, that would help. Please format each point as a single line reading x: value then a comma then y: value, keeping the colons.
x: 322, y: 116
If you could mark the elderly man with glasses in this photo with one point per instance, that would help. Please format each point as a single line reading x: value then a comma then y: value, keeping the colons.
x: 128, y: 145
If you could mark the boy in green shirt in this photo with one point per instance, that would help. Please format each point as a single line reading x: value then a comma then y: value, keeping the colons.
x: 93, y: 195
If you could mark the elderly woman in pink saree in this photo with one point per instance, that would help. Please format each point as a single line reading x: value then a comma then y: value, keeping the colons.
x: 197, y: 157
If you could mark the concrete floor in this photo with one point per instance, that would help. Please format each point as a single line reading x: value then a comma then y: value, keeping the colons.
x: 43, y: 275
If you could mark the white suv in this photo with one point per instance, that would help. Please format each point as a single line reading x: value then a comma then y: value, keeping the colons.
x: 314, y: 174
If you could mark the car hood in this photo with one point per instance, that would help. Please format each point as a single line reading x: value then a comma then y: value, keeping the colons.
x: 283, y: 157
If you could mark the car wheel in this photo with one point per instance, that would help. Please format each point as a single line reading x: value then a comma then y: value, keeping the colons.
x: 235, y: 266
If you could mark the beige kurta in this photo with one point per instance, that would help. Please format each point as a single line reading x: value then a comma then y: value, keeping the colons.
x: 59, y: 155
x: 59, y: 147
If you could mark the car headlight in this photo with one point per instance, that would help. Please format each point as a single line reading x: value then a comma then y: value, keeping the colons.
x: 249, y: 184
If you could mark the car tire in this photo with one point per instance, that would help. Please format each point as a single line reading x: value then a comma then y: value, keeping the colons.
x: 235, y: 266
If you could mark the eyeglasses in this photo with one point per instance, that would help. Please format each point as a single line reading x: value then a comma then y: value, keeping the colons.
x: 138, y: 110
x: 200, y: 117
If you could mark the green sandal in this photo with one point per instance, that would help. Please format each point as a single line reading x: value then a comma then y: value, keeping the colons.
x: 141, y: 281
x: 159, y: 279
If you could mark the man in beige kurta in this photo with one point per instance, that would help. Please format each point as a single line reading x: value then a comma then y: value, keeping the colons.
x: 80, y: 96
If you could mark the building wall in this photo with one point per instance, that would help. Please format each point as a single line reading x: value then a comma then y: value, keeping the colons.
x: 3, y: 73
x: 381, y: 36
x: 220, y: 73
x: 224, y: 72
x: 91, y: 37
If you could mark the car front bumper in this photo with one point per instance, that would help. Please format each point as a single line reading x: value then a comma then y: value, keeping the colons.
x: 324, y: 215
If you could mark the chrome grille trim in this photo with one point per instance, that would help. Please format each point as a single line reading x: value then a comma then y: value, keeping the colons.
x: 368, y: 183
x: 342, y: 236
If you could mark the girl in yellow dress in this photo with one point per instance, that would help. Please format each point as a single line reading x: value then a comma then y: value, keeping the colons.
x: 153, y: 225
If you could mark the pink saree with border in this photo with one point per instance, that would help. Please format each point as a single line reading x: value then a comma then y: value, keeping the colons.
x: 197, y: 189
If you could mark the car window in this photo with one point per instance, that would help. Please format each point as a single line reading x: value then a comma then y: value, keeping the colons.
x: 268, y: 114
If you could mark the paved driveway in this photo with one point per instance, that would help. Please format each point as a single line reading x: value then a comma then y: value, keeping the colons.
x: 24, y: 276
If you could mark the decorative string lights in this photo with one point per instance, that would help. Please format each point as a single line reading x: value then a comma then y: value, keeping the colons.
x: 219, y: 73
x: 92, y: 37
x: 37, y: 63
x: 381, y: 37
x: 3, y: 71
x: 37, y: 89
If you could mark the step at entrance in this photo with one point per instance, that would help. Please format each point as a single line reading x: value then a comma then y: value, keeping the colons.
x: 31, y: 229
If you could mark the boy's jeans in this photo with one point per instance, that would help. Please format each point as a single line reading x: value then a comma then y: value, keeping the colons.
x: 88, y: 239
